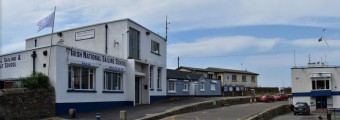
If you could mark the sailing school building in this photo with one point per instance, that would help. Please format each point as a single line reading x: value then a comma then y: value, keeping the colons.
x: 94, y: 67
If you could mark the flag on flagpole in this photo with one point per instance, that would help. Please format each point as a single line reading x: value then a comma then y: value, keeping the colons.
x: 320, y: 39
x: 46, y: 22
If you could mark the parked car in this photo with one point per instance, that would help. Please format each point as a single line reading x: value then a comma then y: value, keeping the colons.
x: 281, y: 96
x: 301, y: 107
x: 266, y: 98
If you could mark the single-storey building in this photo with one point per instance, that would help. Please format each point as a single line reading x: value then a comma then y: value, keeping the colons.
x: 181, y: 83
x: 96, y: 66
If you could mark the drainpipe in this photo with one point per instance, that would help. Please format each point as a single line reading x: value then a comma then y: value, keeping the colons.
x: 34, y: 55
x: 106, y: 38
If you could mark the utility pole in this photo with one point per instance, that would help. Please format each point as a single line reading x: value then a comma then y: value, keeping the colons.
x: 178, y: 62
x: 166, y: 27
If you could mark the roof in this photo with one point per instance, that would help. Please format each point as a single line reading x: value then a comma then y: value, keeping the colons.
x: 175, y: 74
x: 219, y: 70
x: 126, y: 19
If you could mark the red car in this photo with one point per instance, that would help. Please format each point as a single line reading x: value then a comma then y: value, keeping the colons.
x: 281, y: 96
x: 266, y: 98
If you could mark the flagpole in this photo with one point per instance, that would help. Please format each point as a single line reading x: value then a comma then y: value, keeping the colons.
x: 49, y: 58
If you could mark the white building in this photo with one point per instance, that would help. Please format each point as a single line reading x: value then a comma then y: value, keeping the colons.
x: 94, y: 67
x: 318, y: 85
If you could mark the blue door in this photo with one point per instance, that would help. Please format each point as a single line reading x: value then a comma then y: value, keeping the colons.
x: 321, y: 102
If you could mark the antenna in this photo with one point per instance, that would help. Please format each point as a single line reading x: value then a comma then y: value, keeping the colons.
x: 323, y: 38
x: 166, y: 27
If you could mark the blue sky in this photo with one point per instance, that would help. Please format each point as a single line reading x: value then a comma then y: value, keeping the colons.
x: 260, y: 34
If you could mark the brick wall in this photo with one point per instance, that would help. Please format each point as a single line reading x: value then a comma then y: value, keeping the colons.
x: 25, y: 104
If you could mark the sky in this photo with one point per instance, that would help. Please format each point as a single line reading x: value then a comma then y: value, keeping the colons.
x: 255, y: 35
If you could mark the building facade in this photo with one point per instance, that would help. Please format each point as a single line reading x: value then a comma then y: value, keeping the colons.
x: 97, y: 66
x: 231, y: 80
x: 181, y: 83
x: 318, y: 85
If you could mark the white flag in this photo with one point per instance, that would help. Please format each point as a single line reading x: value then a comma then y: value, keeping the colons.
x: 46, y: 22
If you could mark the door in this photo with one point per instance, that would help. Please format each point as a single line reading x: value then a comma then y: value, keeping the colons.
x: 192, y: 88
x: 137, y: 89
x: 321, y: 102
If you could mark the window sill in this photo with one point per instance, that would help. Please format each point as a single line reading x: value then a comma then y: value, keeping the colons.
x: 156, y: 53
x: 202, y: 90
x: 185, y: 90
x: 107, y: 91
x: 159, y: 89
x: 172, y: 92
x: 151, y: 89
x: 83, y: 91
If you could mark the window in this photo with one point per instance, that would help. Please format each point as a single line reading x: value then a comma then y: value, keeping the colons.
x: 154, y: 47
x: 185, y: 85
x: 320, y: 83
x: 219, y: 77
x: 159, y: 85
x: 202, y: 86
x: 113, y: 81
x: 234, y: 78
x: 253, y: 79
x: 213, y: 87
x: 210, y: 76
x: 134, y: 49
x: 81, y: 78
x: 151, y: 78
x: 244, y: 78
x: 172, y: 85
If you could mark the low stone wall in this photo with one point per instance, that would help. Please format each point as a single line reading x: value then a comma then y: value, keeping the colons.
x: 26, y: 104
x: 196, y: 107
x: 270, y: 113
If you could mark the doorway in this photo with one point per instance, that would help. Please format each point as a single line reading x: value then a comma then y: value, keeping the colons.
x: 321, y: 102
x: 137, y: 90
x: 192, y: 88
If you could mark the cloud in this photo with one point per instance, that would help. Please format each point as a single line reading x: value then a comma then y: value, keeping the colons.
x: 313, y: 42
x: 220, y: 45
x: 12, y: 47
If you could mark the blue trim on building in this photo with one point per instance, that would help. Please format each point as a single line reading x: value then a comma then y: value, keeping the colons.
x: 156, y: 98
x: 316, y: 93
x: 62, y: 108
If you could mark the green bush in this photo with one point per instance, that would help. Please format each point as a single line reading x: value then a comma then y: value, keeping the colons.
x: 37, y: 80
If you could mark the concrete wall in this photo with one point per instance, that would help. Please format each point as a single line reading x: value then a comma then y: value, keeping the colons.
x: 25, y: 104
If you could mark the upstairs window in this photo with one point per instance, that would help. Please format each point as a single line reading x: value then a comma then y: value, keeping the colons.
x: 155, y: 47
x: 134, y: 50
x: 234, y: 78
x: 210, y: 76
x: 253, y: 79
x: 244, y: 78
x: 320, y: 83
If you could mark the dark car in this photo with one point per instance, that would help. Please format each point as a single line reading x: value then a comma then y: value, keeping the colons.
x: 281, y: 96
x: 266, y: 98
x: 301, y: 107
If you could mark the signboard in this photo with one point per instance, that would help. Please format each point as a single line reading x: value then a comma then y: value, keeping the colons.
x: 83, y: 35
x: 230, y: 88
x: 225, y: 88
x: 86, y: 57
x: 9, y: 62
x: 227, y: 78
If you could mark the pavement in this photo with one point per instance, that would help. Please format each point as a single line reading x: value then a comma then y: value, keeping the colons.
x: 312, y: 116
x: 233, y: 112
x: 139, y: 111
